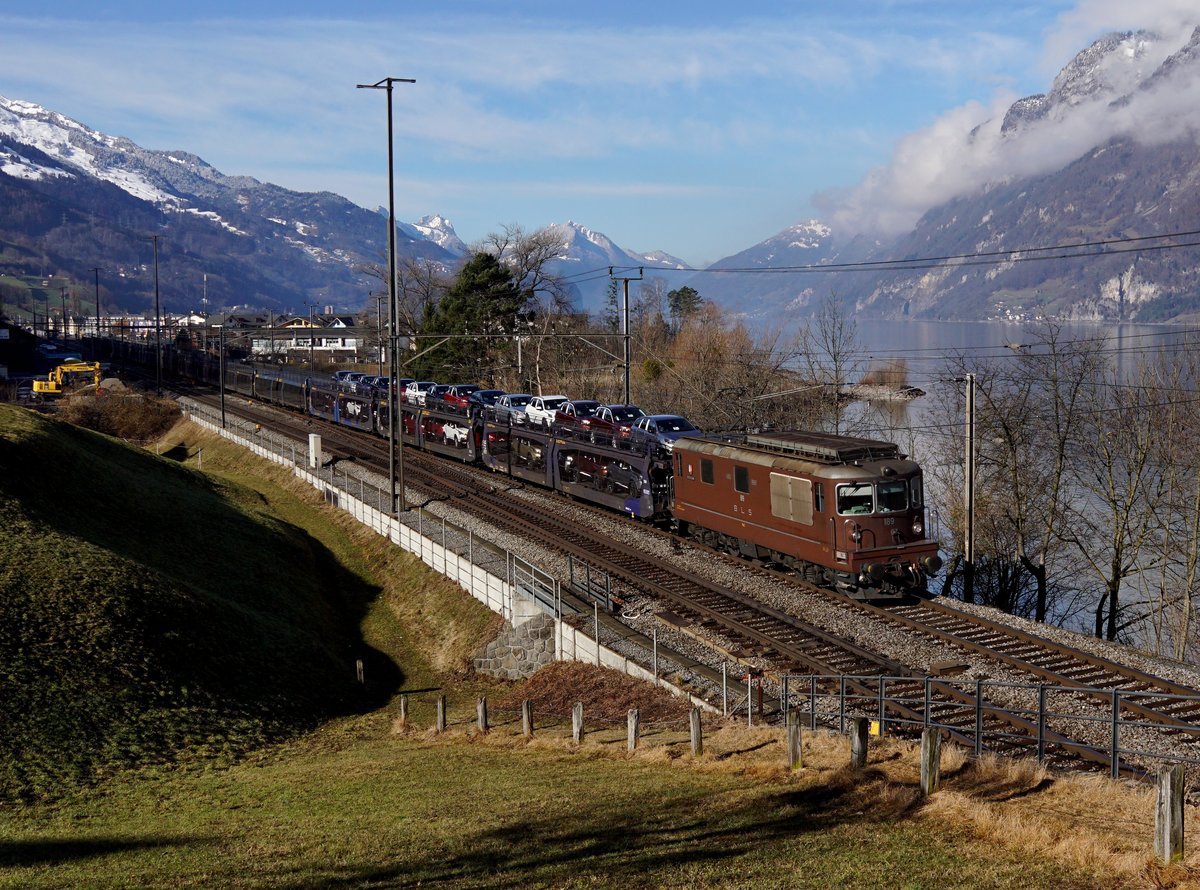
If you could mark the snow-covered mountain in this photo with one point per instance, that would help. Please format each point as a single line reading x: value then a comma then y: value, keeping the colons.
x: 83, y: 199
x: 97, y: 196
x: 439, y: 230
x: 1109, y: 153
x: 587, y: 254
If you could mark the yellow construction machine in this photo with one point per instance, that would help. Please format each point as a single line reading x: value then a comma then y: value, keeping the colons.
x: 66, y: 375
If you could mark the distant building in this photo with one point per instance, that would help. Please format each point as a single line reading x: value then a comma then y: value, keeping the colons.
x: 328, y: 338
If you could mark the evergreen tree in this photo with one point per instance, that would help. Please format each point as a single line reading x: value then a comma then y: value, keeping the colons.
x: 612, y: 308
x: 682, y: 303
x: 485, y: 301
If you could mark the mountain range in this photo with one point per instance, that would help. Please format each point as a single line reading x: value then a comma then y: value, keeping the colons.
x: 1104, y: 168
x: 1063, y: 204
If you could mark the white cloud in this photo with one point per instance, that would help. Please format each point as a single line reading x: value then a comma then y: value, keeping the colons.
x: 1077, y: 27
x: 964, y: 150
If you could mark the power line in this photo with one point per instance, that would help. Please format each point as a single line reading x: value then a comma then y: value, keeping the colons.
x: 993, y: 257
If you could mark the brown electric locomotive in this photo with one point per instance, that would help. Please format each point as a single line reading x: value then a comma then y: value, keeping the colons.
x: 845, y: 513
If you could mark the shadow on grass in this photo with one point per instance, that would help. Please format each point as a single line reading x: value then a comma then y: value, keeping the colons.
x: 638, y: 846
x: 177, y: 453
x: 64, y: 850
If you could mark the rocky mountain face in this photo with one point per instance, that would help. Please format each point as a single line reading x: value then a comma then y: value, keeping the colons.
x: 77, y: 200
x: 1108, y: 154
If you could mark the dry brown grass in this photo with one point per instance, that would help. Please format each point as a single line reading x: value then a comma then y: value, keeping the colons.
x: 1086, y: 822
x: 126, y: 414
x: 893, y: 374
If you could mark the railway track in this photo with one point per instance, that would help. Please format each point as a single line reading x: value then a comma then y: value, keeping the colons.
x: 787, y: 641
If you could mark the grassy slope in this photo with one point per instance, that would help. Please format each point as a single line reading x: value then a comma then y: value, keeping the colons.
x: 147, y: 609
x: 351, y: 805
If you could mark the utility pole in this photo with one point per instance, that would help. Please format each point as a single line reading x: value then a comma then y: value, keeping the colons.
x: 221, y: 366
x: 969, y: 497
x: 312, y: 338
x: 62, y: 292
x: 157, y: 323
x: 96, y: 350
x: 625, y: 324
x: 395, y: 439
x: 379, y: 329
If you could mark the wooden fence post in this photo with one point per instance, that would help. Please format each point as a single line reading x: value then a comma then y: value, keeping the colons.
x: 404, y: 710
x: 795, y: 752
x: 527, y: 718
x: 859, y: 728
x: 481, y: 714
x: 441, y: 713
x: 633, y: 725
x: 697, y: 737
x: 577, y: 722
x: 1168, y: 814
x: 931, y: 760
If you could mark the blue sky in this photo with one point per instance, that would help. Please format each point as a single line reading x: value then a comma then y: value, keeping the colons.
x: 697, y: 128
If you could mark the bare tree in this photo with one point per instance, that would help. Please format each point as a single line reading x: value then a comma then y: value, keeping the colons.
x: 832, y: 358
x: 420, y: 285
x: 1173, y: 587
x: 1116, y: 521
x: 528, y: 256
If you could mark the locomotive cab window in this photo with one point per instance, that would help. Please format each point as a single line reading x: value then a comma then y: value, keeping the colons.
x: 706, y: 471
x: 892, y: 496
x: 741, y: 478
x: 916, y: 494
x: 855, y: 498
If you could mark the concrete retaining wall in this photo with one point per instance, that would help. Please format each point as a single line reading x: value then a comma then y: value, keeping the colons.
x: 564, y: 642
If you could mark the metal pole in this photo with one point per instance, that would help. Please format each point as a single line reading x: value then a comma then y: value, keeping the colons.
x: 969, y: 482
x: 221, y: 371
x: 379, y: 331
x: 96, y: 347
x: 978, y: 717
x: 625, y: 338
x: 312, y: 338
x: 1041, y: 723
x: 1116, y: 733
x: 157, y: 324
x: 724, y: 689
x: 749, y: 696
x: 812, y: 701
x: 625, y: 326
x: 655, y: 637
x: 395, y: 440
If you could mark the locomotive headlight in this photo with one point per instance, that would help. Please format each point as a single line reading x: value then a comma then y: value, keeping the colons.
x: 856, y: 536
x: 918, y: 527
